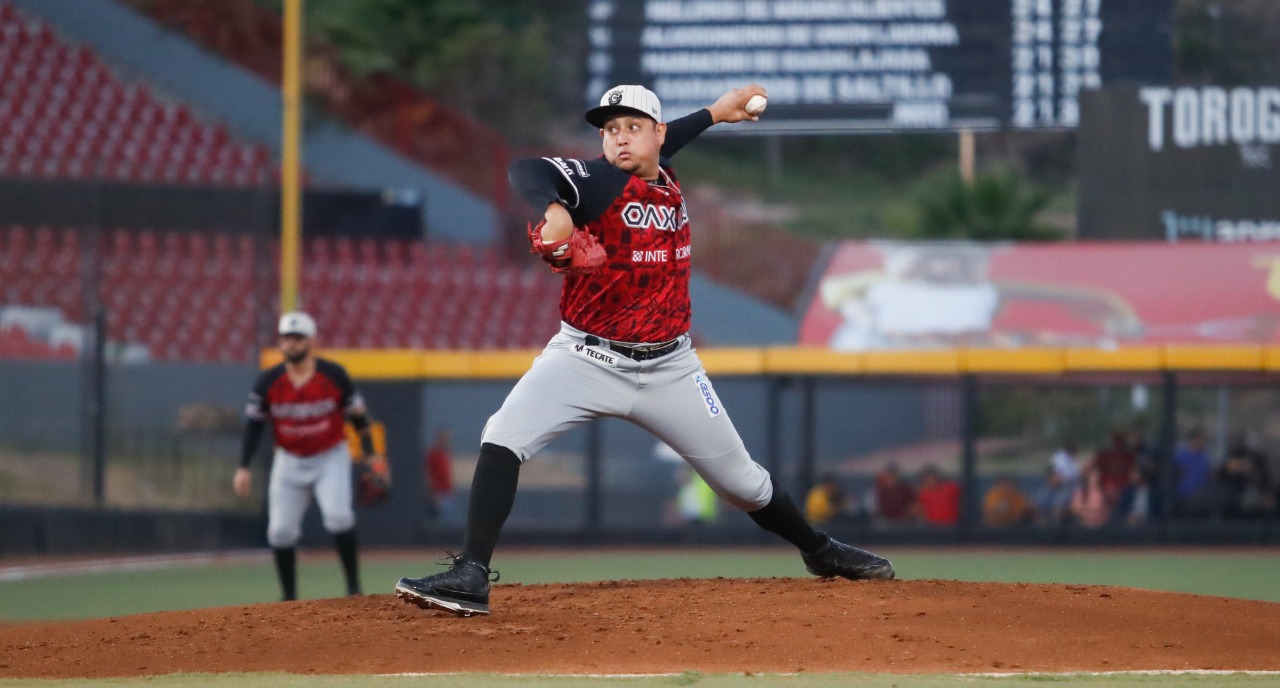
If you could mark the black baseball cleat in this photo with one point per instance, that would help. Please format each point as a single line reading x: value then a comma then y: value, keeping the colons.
x: 838, y: 559
x: 463, y: 589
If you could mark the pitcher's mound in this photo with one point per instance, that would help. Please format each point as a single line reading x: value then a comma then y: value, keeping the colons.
x: 668, y: 626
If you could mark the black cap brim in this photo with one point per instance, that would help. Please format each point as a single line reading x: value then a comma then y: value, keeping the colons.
x: 597, y: 116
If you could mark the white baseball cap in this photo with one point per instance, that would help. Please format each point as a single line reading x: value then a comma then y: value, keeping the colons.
x: 297, y: 322
x: 635, y: 98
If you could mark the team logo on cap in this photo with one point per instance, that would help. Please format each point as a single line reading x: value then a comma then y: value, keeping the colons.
x: 615, y: 97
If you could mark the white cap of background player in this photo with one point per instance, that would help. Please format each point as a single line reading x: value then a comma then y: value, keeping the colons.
x: 635, y: 98
x: 297, y: 322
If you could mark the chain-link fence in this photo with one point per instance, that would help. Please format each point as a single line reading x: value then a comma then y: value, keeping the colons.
x: 1086, y: 458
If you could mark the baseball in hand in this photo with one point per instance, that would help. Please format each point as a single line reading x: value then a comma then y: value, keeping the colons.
x: 755, y: 105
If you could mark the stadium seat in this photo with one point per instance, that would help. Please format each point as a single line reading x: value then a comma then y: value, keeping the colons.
x: 61, y: 109
x: 186, y: 294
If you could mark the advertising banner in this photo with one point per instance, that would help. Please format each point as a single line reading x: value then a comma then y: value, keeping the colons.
x: 876, y: 296
x: 1186, y: 163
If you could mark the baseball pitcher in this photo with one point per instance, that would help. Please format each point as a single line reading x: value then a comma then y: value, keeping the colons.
x: 618, y: 229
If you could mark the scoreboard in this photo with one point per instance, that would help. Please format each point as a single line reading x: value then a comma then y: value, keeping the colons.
x: 881, y: 65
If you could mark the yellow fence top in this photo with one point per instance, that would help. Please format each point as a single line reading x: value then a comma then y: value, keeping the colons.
x: 412, y: 364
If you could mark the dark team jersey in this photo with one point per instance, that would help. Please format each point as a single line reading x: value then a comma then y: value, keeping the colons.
x: 307, y: 420
x: 641, y: 293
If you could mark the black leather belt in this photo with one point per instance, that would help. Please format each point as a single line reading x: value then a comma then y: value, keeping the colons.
x: 635, y: 352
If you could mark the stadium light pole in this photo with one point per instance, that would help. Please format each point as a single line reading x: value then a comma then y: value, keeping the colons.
x: 291, y: 154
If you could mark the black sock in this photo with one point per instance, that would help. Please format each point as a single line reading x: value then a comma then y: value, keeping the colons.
x: 781, y: 516
x: 493, y: 491
x: 287, y: 571
x: 346, y: 545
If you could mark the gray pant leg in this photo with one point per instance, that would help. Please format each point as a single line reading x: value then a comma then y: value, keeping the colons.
x: 563, y: 389
x: 333, y: 490
x: 288, y: 496
x: 680, y: 406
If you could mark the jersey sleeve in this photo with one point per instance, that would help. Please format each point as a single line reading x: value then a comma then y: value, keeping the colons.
x: 259, y: 407
x: 351, y: 401
x: 585, y: 187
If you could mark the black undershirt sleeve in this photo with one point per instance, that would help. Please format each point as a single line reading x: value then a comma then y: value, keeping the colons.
x: 252, y: 435
x: 681, y: 131
x: 360, y: 421
x: 257, y: 412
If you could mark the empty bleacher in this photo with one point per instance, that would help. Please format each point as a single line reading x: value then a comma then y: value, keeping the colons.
x: 197, y: 296
x: 207, y: 296
x: 65, y: 114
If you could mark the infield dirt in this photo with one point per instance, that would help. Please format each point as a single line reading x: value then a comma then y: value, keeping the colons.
x: 661, y: 626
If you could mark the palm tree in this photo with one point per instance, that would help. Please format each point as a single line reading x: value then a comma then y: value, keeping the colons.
x: 998, y: 205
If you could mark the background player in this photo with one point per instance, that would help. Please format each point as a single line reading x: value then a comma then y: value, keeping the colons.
x: 618, y: 227
x: 306, y: 398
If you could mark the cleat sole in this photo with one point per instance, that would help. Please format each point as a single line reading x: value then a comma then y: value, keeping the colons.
x: 458, y: 608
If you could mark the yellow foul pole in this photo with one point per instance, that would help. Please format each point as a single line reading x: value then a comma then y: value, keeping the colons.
x: 291, y: 157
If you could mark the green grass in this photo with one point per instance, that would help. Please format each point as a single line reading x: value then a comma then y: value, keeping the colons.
x: 1233, y: 573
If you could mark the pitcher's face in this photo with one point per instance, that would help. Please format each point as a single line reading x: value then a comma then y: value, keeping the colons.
x: 632, y: 144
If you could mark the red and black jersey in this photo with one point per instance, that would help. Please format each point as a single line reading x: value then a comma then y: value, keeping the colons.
x: 641, y: 294
x: 307, y: 419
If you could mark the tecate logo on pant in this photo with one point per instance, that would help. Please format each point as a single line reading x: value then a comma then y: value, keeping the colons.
x: 708, y: 394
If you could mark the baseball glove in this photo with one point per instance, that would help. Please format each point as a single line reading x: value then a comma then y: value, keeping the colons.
x: 372, y: 481
x: 579, y: 253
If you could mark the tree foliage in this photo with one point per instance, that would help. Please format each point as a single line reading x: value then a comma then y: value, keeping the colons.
x: 492, y: 65
x: 998, y: 205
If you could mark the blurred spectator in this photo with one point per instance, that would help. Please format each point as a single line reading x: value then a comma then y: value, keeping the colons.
x: 826, y: 501
x: 1005, y: 504
x: 1193, y: 472
x: 1053, y: 499
x: 438, y: 469
x: 1245, y: 475
x: 1117, y: 467
x: 1147, y: 492
x: 1089, y: 505
x: 696, y: 501
x: 938, y: 498
x: 895, y: 498
x: 1066, y: 466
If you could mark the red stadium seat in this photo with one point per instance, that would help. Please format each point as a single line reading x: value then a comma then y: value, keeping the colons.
x: 192, y: 295
x: 57, y: 96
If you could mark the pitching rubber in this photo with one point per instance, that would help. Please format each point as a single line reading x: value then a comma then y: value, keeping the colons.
x: 452, y: 606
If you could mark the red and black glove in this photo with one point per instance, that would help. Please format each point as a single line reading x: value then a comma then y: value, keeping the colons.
x: 579, y: 253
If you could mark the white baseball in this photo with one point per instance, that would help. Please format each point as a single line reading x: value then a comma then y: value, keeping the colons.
x: 755, y: 105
